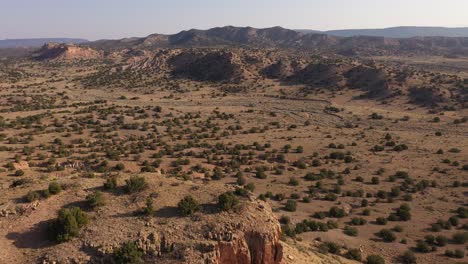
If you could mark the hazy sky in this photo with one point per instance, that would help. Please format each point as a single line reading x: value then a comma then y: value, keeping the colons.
x: 96, y: 19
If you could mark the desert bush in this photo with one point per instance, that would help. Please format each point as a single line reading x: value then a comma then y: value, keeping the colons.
x: 350, y: 231
x: 375, y: 259
x: 423, y: 247
x: 54, y: 188
x: 111, y: 183
x: 381, y: 221
x: 455, y: 254
x: 188, y: 205
x: 32, y: 196
x: 148, y: 209
x: 128, y: 253
x: 354, y: 254
x: 227, y: 201
x: 95, y: 199
x: 291, y: 205
x: 358, y: 221
x: 336, y: 212
x: 135, y: 184
x: 408, y: 258
x: 329, y: 247
x: 19, y: 173
x: 68, y: 224
x: 386, y: 235
x: 460, y: 238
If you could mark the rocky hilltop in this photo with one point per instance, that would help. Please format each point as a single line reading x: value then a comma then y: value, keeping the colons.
x: 63, y: 51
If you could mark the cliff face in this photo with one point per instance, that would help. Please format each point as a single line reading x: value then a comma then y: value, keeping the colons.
x: 256, y: 242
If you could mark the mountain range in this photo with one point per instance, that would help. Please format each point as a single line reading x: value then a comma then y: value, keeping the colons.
x: 396, y: 32
x: 278, y: 37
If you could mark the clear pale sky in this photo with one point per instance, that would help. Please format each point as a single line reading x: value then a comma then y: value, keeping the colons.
x: 97, y: 19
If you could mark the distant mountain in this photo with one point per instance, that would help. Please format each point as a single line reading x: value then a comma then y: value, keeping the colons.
x: 220, y: 36
x: 396, y: 32
x: 277, y: 37
x: 37, y: 42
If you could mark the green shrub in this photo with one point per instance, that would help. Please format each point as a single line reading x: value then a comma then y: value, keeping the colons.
x: 32, y: 196
x: 336, y: 212
x: 54, y: 188
x: 358, y: 221
x: 386, y: 235
x: 423, y: 247
x: 381, y: 221
x: 330, y: 247
x: 135, y: 184
x: 291, y: 206
x: 188, y: 205
x: 149, y: 209
x: 111, y: 183
x: 350, y: 231
x: 408, y: 258
x: 375, y: 259
x: 460, y: 238
x: 227, y: 201
x: 119, y: 166
x: 19, y: 173
x: 354, y: 254
x: 95, y: 199
x: 129, y: 253
x: 68, y: 224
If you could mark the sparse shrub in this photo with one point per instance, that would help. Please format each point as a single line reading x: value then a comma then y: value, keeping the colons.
x: 291, y: 206
x: 227, y: 201
x: 54, y: 188
x: 19, y: 173
x: 423, y: 247
x: 135, y: 184
x: 128, y: 253
x: 381, y: 221
x: 68, y: 224
x: 354, y: 254
x: 336, y: 212
x: 408, y: 258
x: 95, y: 199
x: 119, y: 166
x: 350, y: 231
x: 111, y: 183
x: 32, y: 196
x: 460, y: 238
x: 386, y: 235
x: 149, y: 208
x: 358, y: 221
x: 188, y: 205
x: 375, y: 259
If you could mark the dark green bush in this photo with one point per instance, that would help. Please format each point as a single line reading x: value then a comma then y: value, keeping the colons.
x: 188, y: 205
x: 111, y: 183
x: 32, y: 196
x: 386, y: 235
x: 129, y: 253
x: 227, y: 201
x: 54, y: 188
x: 375, y: 259
x: 408, y: 258
x: 68, y: 224
x: 95, y: 199
x: 291, y: 206
x: 135, y: 184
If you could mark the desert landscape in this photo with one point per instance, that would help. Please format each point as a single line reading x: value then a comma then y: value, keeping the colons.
x: 235, y: 145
